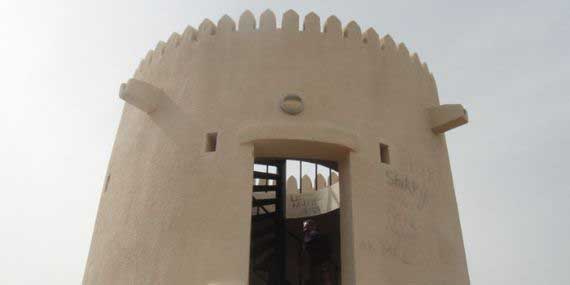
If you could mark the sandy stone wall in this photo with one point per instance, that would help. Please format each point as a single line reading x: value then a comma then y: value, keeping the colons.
x: 173, y: 213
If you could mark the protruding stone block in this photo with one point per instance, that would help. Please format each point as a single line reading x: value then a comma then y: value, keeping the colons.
x: 334, y: 178
x: 425, y: 67
x: 352, y: 31
x: 291, y: 185
x: 142, y: 95
x: 207, y: 28
x: 321, y: 182
x: 189, y: 34
x: 246, y: 22
x: 290, y: 21
x: 416, y: 59
x: 267, y: 21
x: 226, y: 25
x: 307, y: 184
x: 173, y: 41
x: 159, y: 49
x: 446, y: 117
x: 312, y: 23
x: 371, y: 38
x: 388, y: 43
x: 333, y: 27
x: 402, y: 49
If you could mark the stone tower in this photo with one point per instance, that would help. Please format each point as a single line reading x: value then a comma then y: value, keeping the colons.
x: 203, y: 106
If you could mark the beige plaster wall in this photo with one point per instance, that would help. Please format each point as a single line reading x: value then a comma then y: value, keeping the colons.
x: 172, y: 213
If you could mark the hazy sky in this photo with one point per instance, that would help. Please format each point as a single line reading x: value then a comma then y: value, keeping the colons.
x: 507, y: 62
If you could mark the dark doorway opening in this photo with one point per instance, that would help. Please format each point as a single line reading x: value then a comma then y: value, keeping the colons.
x: 286, y: 193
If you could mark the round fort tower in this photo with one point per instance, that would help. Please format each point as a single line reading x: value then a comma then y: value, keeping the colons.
x: 176, y: 207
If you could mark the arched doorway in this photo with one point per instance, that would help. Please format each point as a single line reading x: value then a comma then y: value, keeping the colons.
x: 286, y: 194
x: 294, y: 181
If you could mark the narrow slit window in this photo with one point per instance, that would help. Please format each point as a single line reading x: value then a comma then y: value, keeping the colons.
x: 384, y: 154
x: 211, y: 142
x: 107, y: 180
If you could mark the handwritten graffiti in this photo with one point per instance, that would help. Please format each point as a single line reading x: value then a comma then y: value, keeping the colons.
x: 401, y: 181
x: 312, y: 203
x: 404, y: 226
x: 304, y: 206
x: 390, y: 249
x: 416, y: 195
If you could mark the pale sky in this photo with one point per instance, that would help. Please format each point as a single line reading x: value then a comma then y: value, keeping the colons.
x: 507, y: 62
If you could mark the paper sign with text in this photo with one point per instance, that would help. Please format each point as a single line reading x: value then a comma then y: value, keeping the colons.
x: 312, y: 203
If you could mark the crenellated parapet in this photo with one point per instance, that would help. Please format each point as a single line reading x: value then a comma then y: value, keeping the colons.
x: 247, y: 23
x: 383, y: 52
x: 196, y: 52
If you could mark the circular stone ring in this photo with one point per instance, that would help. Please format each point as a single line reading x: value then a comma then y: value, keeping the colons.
x: 292, y: 104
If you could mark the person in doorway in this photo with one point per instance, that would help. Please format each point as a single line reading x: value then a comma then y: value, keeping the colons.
x: 316, y: 248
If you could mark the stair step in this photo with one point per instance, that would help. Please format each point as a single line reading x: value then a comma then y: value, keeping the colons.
x: 262, y: 233
x: 264, y: 188
x: 265, y: 262
x: 263, y: 245
x: 262, y: 230
x: 263, y: 202
x: 263, y: 217
x: 263, y: 175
